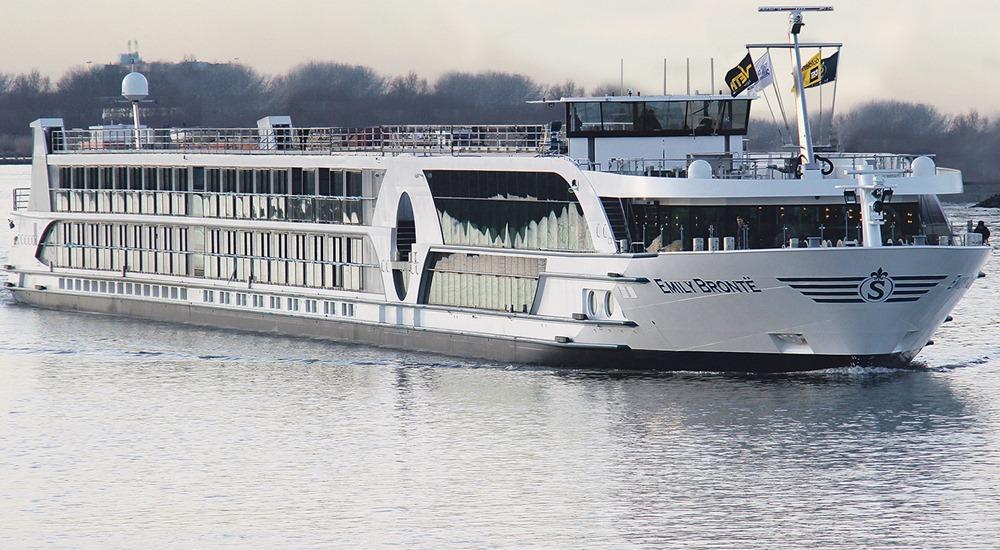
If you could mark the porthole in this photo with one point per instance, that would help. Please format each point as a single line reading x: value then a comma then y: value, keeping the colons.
x: 609, y: 305
x: 591, y: 303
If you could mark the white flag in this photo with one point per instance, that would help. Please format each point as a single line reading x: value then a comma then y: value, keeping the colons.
x: 765, y: 72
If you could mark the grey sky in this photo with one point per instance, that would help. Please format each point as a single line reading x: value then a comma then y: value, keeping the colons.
x: 944, y: 53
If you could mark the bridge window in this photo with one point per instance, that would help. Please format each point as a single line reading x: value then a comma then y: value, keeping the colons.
x: 658, y: 118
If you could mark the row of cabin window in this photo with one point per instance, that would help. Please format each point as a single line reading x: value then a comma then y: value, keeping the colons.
x: 276, y: 302
x: 124, y: 288
x: 318, y: 261
x: 287, y: 181
x: 117, y: 247
x: 208, y: 296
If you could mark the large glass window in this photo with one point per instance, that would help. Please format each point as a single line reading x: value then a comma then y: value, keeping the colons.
x: 658, y: 118
x: 618, y: 117
x: 502, y: 283
x: 585, y: 117
x: 668, y: 227
x: 523, y: 210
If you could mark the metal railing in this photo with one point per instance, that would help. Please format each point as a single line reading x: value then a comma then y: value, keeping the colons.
x: 19, y: 198
x: 756, y: 166
x: 466, y: 139
x: 293, y: 208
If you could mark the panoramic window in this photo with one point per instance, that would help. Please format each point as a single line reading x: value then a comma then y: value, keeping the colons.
x: 521, y: 210
x: 502, y: 283
x: 670, y: 227
x: 658, y: 118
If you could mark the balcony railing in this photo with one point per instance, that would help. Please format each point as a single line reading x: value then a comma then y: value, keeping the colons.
x: 291, y: 208
x: 470, y: 139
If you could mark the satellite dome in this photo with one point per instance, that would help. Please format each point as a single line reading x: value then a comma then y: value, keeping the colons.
x: 135, y: 86
x: 923, y: 166
x: 700, y: 169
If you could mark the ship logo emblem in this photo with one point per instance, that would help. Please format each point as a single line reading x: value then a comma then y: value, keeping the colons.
x: 877, y: 287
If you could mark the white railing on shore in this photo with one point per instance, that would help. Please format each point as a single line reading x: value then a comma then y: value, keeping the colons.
x: 443, y: 139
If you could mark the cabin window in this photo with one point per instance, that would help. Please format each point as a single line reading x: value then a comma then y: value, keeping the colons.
x: 297, y: 182
x: 78, y: 179
x: 93, y: 181
x: 181, y: 182
x: 246, y: 181
x: 262, y: 182
x: 522, y: 210
x: 324, y: 188
x: 229, y: 177
x: 354, y: 186
x: 107, y: 178
x: 279, y: 182
x: 213, y: 180
x: 198, y: 182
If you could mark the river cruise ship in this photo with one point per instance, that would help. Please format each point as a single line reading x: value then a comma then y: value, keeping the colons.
x: 636, y: 232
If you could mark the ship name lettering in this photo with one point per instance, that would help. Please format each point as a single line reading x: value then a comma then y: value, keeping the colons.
x: 746, y: 285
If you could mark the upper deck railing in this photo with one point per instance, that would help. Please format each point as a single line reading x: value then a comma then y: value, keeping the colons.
x: 753, y: 166
x: 465, y: 139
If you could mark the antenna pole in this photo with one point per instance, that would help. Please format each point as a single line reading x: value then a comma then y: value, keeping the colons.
x: 135, y: 118
x: 689, y: 76
x: 711, y: 70
x: 621, y: 81
x: 664, y: 76
x: 805, y: 132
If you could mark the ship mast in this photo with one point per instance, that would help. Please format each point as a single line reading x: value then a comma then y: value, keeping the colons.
x: 795, y: 23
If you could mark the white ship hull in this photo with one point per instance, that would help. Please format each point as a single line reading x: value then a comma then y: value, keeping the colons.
x: 721, y: 311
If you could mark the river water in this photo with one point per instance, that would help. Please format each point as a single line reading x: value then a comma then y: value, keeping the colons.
x: 117, y: 433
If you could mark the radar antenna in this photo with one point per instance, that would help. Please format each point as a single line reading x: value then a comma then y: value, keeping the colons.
x: 795, y: 23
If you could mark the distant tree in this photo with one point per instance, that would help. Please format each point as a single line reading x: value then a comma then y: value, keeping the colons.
x: 325, y: 94
x: 564, y: 89
x: 892, y: 126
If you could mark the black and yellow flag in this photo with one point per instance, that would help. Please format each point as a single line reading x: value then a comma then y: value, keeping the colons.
x: 818, y: 71
x: 741, y: 76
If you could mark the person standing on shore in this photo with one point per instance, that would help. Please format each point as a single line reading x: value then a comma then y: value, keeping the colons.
x: 983, y: 230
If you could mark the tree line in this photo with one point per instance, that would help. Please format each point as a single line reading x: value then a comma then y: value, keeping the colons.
x: 195, y: 93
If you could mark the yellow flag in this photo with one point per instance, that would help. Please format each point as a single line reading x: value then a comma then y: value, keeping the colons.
x: 812, y: 72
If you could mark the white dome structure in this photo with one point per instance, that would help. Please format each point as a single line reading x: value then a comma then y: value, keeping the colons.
x: 923, y: 166
x: 135, y: 87
x: 700, y: 169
